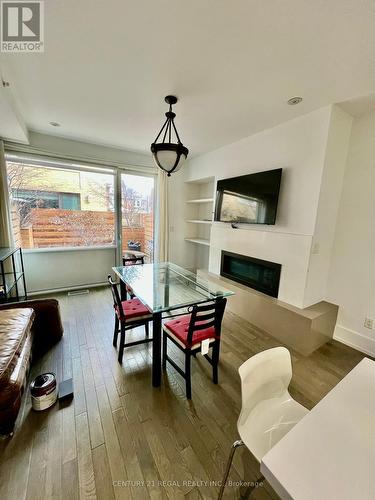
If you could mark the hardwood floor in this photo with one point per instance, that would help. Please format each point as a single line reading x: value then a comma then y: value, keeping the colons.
x: 122, y: 439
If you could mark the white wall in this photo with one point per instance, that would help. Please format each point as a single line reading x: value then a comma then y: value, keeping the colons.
x: 351, y: 282
x: 328, y: 207
x: 300, y: 148
x: 78, y: 149
x: 54, y: 269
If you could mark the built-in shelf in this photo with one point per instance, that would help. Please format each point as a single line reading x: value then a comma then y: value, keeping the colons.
x: 201, y: 200
x: 199, y: 221
x: 198, y: 241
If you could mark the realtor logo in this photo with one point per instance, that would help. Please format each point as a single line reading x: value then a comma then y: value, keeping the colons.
x: 22, y: 26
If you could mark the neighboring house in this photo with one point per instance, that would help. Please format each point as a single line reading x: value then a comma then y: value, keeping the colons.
x: 45, y: 187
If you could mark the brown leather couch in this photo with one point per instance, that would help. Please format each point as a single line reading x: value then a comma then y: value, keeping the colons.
x: 27, y: 330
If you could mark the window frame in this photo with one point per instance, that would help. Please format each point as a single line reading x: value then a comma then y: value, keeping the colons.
x: 41, y: 159
x: 125, y: 171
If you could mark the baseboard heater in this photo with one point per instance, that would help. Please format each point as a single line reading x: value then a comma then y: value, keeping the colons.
x: 79, y: 292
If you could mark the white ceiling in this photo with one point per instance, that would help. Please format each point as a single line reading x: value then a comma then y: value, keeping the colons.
x: 12, y: 125
x: 108, y: 64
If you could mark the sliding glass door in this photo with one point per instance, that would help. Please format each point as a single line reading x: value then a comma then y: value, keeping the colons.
x: 137, y: 215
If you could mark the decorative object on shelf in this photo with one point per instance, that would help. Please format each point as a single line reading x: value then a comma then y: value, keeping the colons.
x: 169, y: 156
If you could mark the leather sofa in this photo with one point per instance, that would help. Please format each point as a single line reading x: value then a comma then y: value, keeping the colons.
x: 27, y: 330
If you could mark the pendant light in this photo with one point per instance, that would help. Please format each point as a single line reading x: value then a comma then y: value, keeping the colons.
x: 170, y: 153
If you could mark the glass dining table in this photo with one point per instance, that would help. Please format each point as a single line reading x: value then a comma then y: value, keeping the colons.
x: 165, y: 288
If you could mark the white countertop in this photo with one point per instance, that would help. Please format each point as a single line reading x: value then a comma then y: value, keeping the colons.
x: 330, y: 453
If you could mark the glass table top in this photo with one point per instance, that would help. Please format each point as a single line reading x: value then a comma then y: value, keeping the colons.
x: 164, y: 286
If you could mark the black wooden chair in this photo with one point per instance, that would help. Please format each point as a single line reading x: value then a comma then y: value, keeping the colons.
x: 128, y: 314
x: 133, y: 261
x: 188, y: 332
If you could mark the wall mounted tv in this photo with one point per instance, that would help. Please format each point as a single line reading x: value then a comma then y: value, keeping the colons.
x: 250, y: 199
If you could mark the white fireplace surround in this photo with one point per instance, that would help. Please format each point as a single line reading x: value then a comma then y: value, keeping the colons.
x: 289, y: 250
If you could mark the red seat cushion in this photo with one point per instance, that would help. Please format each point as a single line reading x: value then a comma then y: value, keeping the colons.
x: 133, y: 308
x: 180, y: 326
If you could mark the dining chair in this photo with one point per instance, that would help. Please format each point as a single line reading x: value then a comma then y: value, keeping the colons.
x: 189, y: 331
x: 132, y: 261
x: 268, y: 410
x: 128, y: 314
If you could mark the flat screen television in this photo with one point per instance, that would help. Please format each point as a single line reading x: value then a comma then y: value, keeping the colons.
x: 250, y: 199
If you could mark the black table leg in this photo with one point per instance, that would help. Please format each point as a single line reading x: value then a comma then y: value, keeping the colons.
x: 123, y: 292
x: 156, y: 350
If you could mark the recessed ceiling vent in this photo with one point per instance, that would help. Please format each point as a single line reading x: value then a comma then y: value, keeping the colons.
x: 294, y: 100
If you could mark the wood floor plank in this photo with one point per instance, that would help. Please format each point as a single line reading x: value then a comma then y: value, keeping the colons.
x: 163, y: 464
x: 95, y: 425
x: 109, y: 381
x: 199, y: 475
x: 69, y: 446
x: 70, y: 481
x: 96, y: 367
x: 79, y: 390
x: 73, y: 320
x: 125, y: 432
x: 37, y: 472
x: 53, y: 488
x: 115, y: 459
x: 104, y: 486
x: 86, y: 475
x: 147, y: 463
x: 166, y: 433
x: 193, y: 495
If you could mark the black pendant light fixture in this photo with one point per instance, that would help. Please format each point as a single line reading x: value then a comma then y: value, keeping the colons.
x: 170, y: 153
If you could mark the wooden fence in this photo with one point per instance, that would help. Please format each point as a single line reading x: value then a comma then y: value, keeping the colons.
x: 72, y: 228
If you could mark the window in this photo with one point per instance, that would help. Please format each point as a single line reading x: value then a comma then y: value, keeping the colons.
x: 53, y: 206
x: 137, y: 204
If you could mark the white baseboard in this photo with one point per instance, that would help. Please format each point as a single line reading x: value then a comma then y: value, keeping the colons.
x: 355, y: 339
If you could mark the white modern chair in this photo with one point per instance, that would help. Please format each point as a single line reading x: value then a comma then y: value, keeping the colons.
x: 268, y: 411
